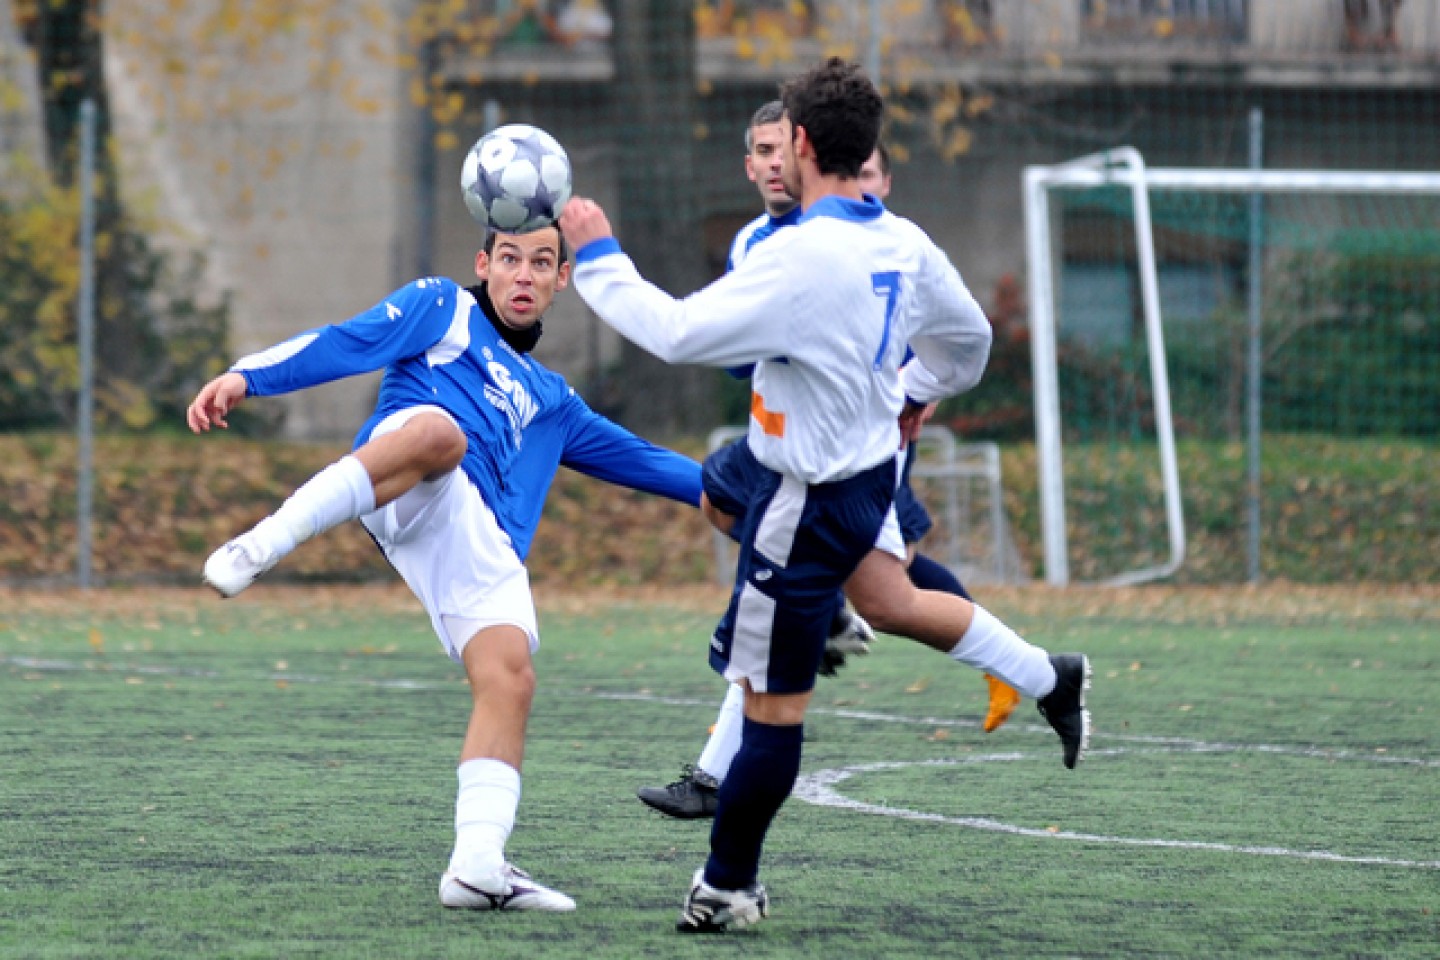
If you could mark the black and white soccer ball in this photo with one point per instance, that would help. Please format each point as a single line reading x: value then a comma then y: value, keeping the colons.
x: 516, y: 179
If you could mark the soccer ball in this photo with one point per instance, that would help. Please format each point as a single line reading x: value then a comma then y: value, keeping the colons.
x: 516, y: 179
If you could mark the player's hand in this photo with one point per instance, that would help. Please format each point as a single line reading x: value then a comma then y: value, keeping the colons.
x: 584, y: 222
x: 913, y: 419
x: 214, y: 401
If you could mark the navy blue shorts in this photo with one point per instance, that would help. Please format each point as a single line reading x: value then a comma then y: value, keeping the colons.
x: 915, y: 520
x: 733, y: 479
x: 730, y: 483
x: 798, y: 546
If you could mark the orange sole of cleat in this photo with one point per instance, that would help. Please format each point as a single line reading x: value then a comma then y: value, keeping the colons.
x: 1003, y: 701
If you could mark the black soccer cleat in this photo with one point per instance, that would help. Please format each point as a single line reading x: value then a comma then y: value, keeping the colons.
x: 710, y: 910
x: 1065, y: 705
x: 695, y: 796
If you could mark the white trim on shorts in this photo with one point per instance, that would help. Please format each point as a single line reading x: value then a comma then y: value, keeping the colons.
x: 889, y: 539
x: 446, y: 544
x: 753, y: 632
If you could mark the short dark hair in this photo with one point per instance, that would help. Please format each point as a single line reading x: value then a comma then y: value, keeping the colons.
x: 491, y: 234
x: 841, y: 112
x: 772, y: 112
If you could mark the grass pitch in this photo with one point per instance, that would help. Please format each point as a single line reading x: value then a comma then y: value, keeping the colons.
x: 274, y: 777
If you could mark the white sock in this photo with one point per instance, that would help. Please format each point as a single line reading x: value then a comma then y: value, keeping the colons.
x: 724, y: 741
x: 991, y: 646
x: 340, y: 492
x: 484, y: 816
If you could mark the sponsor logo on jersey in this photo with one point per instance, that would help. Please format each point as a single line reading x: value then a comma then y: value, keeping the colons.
x: 509, y: 396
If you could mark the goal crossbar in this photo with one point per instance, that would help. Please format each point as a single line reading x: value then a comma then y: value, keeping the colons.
x: 1124, y: 167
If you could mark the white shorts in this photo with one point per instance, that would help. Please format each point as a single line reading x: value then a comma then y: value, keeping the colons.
x: 445, y: 542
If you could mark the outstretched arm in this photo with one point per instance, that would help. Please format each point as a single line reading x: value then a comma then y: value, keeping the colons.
x: 602, y: 449
x: 214, y: 401
x: 407, y: 323
x: 739, y: 319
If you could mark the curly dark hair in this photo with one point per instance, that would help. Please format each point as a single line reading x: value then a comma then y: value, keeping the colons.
x: 841, y: 112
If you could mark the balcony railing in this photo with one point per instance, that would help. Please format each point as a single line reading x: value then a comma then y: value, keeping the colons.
x: 1137, y: 41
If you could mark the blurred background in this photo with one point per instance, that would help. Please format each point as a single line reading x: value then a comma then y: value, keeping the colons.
x: 265, y: 166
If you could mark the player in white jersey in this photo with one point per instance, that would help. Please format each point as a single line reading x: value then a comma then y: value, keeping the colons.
x: 449, y: 476
x: 825, y: 310
x: 695, y: 794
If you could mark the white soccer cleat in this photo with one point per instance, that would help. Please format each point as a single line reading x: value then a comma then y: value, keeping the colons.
x: 711, y: 910
x: 238, y: 564
x: 509, y: 889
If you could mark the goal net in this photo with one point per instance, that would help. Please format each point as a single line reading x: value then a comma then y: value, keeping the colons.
x: 1157, y: 295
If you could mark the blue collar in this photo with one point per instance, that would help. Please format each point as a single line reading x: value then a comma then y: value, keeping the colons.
x: 842, y: 208
x: 791, y: 217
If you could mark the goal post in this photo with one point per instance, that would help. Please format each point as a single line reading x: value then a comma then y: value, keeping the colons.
x: 1125, y: 168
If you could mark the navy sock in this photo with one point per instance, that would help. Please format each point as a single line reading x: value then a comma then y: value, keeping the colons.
x: 930, y: 575
x: 760, y: 778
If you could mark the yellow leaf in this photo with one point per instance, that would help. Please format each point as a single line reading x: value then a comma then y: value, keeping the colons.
x: 959, y: 143
x: 97, y: 640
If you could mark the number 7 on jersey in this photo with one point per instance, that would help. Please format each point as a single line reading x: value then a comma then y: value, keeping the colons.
x: 885, y: 284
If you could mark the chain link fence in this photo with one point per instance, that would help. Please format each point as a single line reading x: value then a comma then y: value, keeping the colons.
x: 287, y: 164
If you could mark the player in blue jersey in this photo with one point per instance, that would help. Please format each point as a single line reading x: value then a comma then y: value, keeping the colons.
x: 695, y: 794
x: 825, y: 310
x: 449, y: 475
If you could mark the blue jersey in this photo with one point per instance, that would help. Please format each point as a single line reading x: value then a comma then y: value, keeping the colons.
x: 521, y: 421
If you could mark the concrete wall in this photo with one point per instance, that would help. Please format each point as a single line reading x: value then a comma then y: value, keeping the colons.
x: 290, y: 185
x: 22, y: 136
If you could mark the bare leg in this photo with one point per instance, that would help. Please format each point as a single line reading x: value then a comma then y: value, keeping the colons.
x: 427, y: 447
x: 883, y: 593
x: 502, y: 686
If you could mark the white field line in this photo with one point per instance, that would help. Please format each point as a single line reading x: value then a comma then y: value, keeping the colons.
x: 818, y: 788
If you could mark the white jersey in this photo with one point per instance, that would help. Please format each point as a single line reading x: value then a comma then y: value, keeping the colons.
x: 757, y: 230
x: 825, y: 310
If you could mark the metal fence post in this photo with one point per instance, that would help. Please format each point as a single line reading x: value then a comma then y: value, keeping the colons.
x: 85, y: 324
